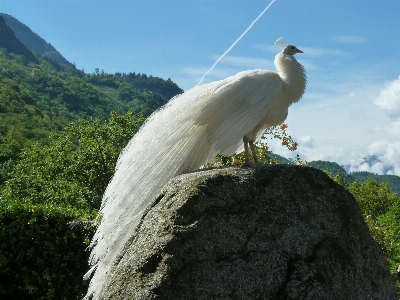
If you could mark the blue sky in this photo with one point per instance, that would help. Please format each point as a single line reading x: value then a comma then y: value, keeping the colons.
x: 351, y: 108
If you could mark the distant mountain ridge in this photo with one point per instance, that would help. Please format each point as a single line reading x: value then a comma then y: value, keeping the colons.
x: 9, y: 41
x: 33, y: 41
x: 334, y: 168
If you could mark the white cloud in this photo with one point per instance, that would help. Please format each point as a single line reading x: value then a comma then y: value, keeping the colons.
x: 387, y: 150
x: 306, y: 141
x: 348, y: 39
x: 387, y: 161
x: 310, y: 149
x: 376, y: 168
x: 389, y: 99
x: 340, y: 125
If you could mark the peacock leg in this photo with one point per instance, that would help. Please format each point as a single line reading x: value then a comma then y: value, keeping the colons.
x: 253, y: 151
x: 246, y: 151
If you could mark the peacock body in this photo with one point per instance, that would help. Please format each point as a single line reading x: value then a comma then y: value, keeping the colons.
x: 184, y: 135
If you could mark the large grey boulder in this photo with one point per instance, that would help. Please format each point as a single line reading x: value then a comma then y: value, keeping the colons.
x: 270, y: 232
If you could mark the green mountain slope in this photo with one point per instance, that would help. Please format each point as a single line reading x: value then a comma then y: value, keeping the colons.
x: 39, y: 96
x: 9, y: 42
x: 326, y: 166
x: 33, y: 41
x: 334, y: 168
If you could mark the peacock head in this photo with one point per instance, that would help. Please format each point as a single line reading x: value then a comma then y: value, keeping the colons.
x: 287, y: 48
x: 291, y: 50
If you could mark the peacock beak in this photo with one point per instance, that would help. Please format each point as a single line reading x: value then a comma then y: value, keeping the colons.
x: 299, y: 51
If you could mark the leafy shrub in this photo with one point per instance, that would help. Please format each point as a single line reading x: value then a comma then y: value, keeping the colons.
x: 381, y: 210
x: 264, y: 156
x: 374, y: 198
x: 76, y: 166
x: 41, y: 256
x: 5, y: 170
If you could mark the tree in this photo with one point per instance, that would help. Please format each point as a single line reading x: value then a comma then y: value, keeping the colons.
x: 381, y: 210
x: 42, y: 256
x: 76, y: 166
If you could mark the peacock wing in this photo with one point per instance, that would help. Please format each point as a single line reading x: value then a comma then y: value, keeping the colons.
x: 236, y: 107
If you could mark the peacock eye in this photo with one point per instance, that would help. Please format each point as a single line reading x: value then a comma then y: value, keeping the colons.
x: 292, y: 47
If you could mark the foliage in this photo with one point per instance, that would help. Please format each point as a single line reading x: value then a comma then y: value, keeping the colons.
x: 42, y: 97
x: 381, y: 210
x: 137, y: 92
x: 36, y: 99
x: 41, y: 256
x: 76, y: 166
x: 143, y: 82
x: 392, y: 180
x: 386, y: 230
x: 264, y: 156
x: 5, y: 171
x: 374, y: 198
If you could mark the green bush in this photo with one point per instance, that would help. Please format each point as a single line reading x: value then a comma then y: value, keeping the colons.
x: 381, y: 210
x: 41, y: 255
x: 374, y: 198
x: 76, y: 166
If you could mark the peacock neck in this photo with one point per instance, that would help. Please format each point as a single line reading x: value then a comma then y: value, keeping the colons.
x: 293, y: 75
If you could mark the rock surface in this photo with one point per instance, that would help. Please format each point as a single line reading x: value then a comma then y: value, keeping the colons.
x: 270, y: 232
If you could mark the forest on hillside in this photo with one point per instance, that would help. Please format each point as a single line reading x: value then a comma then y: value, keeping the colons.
x: 41, y: 97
